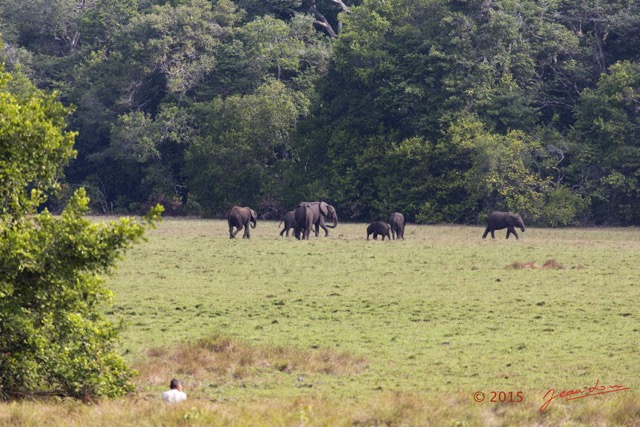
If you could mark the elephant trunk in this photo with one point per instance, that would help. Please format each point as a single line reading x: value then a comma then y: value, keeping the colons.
x: 335, y: 222
x: 253, y: 223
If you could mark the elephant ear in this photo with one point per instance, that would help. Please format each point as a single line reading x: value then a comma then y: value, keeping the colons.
x: 254, y: 215
x: 324, y: 208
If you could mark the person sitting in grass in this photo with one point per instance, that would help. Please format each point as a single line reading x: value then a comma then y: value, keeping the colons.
x: 175, y: 394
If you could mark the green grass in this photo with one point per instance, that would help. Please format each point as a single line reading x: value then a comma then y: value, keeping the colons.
x: 435, y: 318
x: 439, y: 311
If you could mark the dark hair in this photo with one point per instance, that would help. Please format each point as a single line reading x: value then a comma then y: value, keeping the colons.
x: 174, y: 383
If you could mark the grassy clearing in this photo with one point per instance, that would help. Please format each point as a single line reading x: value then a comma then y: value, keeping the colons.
x: 344, y: 331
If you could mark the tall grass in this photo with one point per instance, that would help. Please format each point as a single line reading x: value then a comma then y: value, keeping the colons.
x: 344, y: 331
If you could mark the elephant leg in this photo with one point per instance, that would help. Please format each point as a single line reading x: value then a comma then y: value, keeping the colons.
x: 283, y: 230
x: 511, y: 230
x: 234, y: 233
x: 486, y: 231
x: 309, y: 229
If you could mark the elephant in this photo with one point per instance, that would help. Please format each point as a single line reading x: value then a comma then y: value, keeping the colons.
x: 379, y: 227
x: 498, y: 220
x: 322, y: 211
x: 396, y: 221
x: 289, y: 220
x: 304, y: 221
x: 240, y: 217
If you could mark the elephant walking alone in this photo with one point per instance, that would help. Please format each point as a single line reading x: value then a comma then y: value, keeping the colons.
x: 499, y: 220
x: 241, y: 217
x: 396, y: 221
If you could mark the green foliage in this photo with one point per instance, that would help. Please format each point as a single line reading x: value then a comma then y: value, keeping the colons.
x: 562, y: 207
x: 501, y: 176
x: 53, y: 336
x: 560, y: 73
x: 237, y: 159
x: 155, y: 148
x: 608, y: 124
x: 33, y: 149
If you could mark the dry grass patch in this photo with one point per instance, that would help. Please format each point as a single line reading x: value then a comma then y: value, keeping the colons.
x: 220, y: 358
x: 550, y: 264
x: 384, y: 409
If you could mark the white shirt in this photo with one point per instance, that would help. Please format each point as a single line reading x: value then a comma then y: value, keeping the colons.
x: 173, y: 396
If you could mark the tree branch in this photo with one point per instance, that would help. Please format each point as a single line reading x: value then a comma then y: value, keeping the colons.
x: 321, y: 20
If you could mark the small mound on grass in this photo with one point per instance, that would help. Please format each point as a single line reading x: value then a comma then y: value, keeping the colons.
x: 550, y: 264
x: 222, y: 358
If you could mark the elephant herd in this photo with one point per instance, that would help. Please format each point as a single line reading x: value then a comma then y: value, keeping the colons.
x: 305, y: 218
x: 309, y: 217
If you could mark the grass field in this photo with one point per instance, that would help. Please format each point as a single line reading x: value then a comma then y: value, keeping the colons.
x: 345, y: 331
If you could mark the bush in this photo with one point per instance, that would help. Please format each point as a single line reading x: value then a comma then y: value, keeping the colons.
x: 53, y: 336
x: 562, y: 207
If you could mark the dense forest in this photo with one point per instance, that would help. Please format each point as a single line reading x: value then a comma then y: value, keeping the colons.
x: 441, y: 109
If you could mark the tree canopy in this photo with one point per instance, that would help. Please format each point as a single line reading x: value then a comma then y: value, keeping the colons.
x: 441, y: 109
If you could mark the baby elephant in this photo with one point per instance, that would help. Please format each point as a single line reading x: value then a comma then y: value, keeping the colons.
x: 498, y: 220
x: 379, y: 227
x: 289, y: 220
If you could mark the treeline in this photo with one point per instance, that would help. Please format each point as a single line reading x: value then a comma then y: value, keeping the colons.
x: 442, y: 110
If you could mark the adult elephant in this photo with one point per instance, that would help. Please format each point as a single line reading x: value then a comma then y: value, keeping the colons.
x: 289, y: 220
x: 396, y: 221
x: 322, y: 212
x: 304, y: 221
x: 499, y: 220
x: 241, y: 217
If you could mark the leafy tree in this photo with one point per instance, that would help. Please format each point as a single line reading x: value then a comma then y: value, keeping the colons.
x: 284, y: 50
x: 502, y: 174
x: 324, y: 12
x: 53, y: 335
x: 608, y: 128
x: 146, y: 73
x: 152, y: 149
x: 238, y: 158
